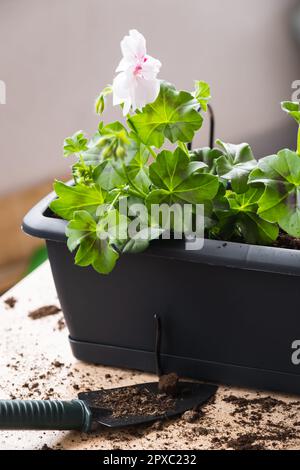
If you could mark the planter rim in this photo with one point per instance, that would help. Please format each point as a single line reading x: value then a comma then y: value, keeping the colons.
x: 214, y: 252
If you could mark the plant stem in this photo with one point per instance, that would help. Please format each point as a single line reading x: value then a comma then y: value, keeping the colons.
x: 298, y: 142
x: 112, y: 204
x: 135, y: 193
x: 183, y: 147
x: 151, y: 151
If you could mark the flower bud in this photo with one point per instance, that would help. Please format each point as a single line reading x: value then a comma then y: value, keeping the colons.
x: 120, y: 152
x: 99, y: 104
x: 106, y: 152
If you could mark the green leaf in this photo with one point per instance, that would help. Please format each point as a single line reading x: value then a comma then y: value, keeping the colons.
x: 140, y: 242
x: 100, y: 101
x: 172, y: 116
x: 141, y: 182
x: 137, y: 170
x: 137, y: 155
x: 235, y: 165
x: 169, y: 169
x: 74, y: 198
x: 92, y: 156
x: 115, y: 225
x: 82, y: 234
x: 280, y: 175
x: 240, y: 217
x: 132, y: 170
x: 202, y: 94
x: 75, y: 144
x: 79, y: 228
x: 292, y: 108
x: 106, y: 260
x: 109, y: 175
x: 208, y: 156
x: 177, y: 179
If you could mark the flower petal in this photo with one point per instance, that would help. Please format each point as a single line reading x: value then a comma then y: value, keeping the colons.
x: 123, y: 65
x: 136, y: 84
x: 150, y: 67
x: 133, y: 47
x: 121, y: 86
x: 146, y: 91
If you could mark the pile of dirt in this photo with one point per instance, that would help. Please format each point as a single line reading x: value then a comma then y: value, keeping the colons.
x: 141, y: 401
x: 168, y: 384
x: 10, y: 301
x: 44, y: 312
x: 135, y: 402
x: 286, y: 241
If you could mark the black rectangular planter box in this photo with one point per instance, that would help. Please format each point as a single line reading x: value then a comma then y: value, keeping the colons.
x: 229, y: 312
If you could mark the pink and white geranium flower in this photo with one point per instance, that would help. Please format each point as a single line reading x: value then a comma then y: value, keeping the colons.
x: 136, y: 84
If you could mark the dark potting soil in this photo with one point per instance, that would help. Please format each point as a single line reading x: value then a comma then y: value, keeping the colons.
x: 10, y: 301
x: 286, y: 241
x: 135, y: 402
x: 57, y: 364
x: 168, y: 384
x: 266, y: 404
x: 246, y: 441
x: 61, y: 324
x: 251, y: 412
x: 44, y: 312
x: 256, y: 440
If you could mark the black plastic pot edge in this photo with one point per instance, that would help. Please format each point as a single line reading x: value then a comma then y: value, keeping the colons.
x: 214, y: 252
x: 228, y: 374
x: 37, y: 224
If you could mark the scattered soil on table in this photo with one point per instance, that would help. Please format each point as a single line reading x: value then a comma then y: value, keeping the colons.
x: 245, y: 442
x: 286, y: 241
x: 135, y: 402
x: 252, y: 413
x: 232, y: 419
x: 61, y: 324
x: 266, y: 404
x: 256, y: 440
x: 45, y: 311
x: 57, y: 363
x: 10, y: 301
x: 168, y: 384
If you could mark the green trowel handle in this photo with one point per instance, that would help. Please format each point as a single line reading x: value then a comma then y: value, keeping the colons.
x: 45, y: 414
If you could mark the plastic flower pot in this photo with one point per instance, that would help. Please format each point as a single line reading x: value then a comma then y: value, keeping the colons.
x: 229, y: 312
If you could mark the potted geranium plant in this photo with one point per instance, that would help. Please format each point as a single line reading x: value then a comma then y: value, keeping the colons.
x: 227, y: 308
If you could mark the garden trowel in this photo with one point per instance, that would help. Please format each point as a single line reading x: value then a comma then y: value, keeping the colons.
x: 92, y: 409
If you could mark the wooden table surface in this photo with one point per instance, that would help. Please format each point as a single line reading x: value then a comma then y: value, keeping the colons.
x: 36, y: 362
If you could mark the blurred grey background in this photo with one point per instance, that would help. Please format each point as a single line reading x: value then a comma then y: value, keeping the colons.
x: 56, y: 55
